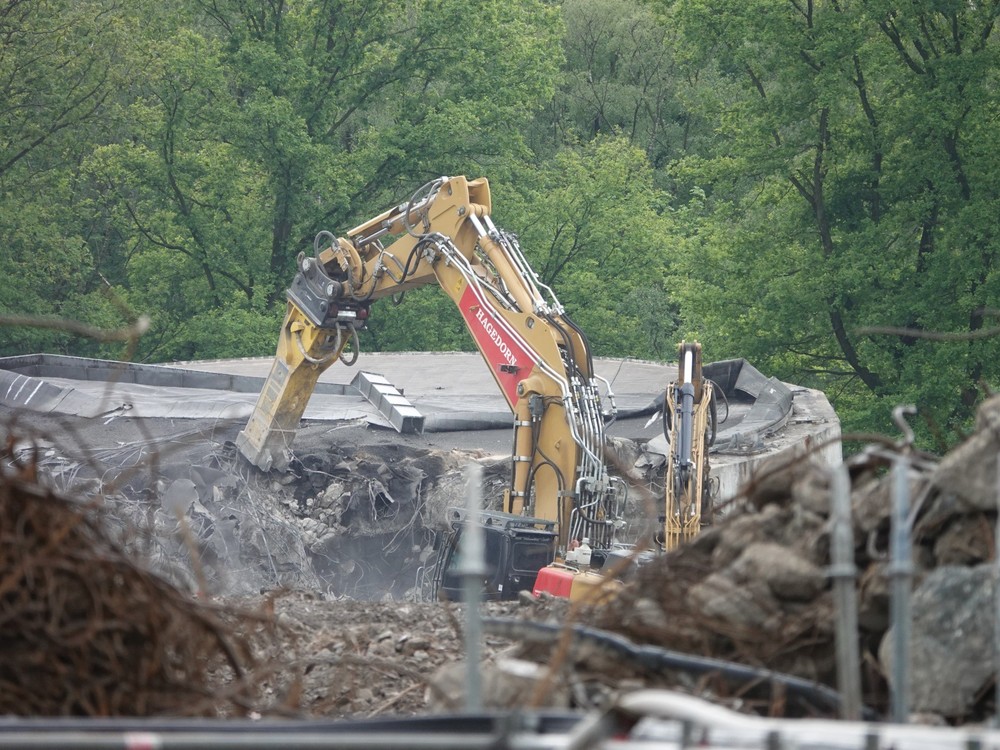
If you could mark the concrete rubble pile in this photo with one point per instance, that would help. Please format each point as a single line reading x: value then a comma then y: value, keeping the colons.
x: 344, y: 521
x: 755, y: 588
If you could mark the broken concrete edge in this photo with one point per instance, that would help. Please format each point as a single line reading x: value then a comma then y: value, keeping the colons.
x: 808, y: 430
x: 86, y: 368
x: 738, y: 380
x: 390, y: 403
x: 23, y: 384
x: 772, y: 407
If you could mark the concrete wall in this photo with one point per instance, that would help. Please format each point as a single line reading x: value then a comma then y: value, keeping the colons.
x: 812, y: 432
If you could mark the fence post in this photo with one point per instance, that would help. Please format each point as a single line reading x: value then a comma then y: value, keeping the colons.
x: 472, y: 569
x: 900, y: 575
x: 844, y: 573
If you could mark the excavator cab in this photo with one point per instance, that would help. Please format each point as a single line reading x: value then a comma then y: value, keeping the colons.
x: 515, y: 548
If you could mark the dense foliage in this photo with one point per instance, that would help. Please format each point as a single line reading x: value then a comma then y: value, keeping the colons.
x: 809, y: 184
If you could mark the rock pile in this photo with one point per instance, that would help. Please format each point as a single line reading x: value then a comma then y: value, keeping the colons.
x: 756, y: 589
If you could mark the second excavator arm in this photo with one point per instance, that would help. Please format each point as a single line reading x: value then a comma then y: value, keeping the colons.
x: 689, y: 425
x: 540, y: 359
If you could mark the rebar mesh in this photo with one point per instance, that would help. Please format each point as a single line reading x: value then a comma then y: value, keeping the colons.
x: 86, y: 631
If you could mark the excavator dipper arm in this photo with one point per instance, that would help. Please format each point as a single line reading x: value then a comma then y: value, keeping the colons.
x: 540, y: 360
x: 689, y: 408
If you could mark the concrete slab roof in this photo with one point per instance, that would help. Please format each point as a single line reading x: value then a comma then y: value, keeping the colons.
x: 436, y: 384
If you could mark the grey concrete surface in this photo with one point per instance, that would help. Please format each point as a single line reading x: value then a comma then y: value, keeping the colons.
x: 459, y: 379
x: 221, y: 394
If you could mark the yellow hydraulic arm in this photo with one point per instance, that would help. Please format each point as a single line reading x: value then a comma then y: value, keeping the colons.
x: 687, y: 411
x: 538, y: 357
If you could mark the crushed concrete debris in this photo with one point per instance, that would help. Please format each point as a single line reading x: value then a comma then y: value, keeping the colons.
x: 755, y: 588
x: 330, y: 554
x: 86, y: 631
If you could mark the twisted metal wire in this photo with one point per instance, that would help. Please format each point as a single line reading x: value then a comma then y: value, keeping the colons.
x: 86, y: 631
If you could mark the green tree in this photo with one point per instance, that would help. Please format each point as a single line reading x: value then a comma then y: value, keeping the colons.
x: 186, y: 201
x: 61, y: 66
x: 855, y: 194
x: 350, y: 104
x: 620, y: 77
x: 261, y: 123
x: 594, y: 227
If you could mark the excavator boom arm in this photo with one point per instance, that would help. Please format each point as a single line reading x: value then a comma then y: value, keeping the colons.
x: 540, y: 360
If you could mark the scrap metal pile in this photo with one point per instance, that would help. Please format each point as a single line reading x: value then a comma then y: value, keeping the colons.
x: 85, y: 631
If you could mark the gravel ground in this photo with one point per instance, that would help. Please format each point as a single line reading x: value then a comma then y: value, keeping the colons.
x: 349, y: 658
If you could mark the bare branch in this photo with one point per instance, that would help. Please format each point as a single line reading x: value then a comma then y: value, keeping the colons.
x: 129, y: 333
x: 982, y: 333
x: 979, y: 333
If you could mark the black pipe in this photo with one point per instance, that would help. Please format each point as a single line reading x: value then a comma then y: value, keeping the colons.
x: 655, y: 659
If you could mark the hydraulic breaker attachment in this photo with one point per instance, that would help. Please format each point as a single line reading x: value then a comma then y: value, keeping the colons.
x: 304, y: 352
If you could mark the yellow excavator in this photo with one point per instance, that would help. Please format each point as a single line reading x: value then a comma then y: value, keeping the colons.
x: 560, y: 492
x: 690, y: 417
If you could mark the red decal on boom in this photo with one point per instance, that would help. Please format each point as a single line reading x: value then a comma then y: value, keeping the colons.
x: 501, y: 348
